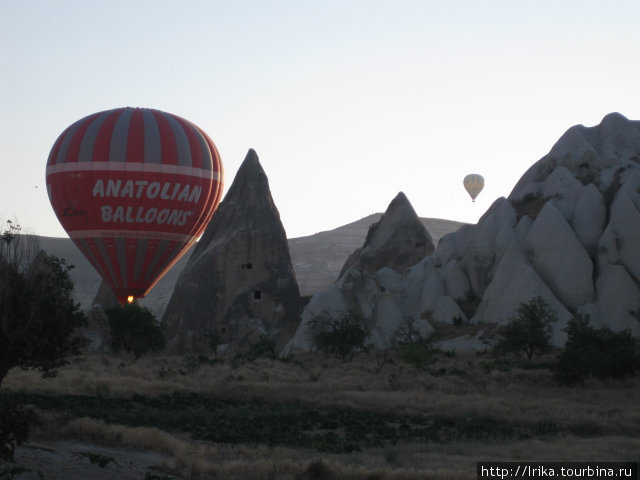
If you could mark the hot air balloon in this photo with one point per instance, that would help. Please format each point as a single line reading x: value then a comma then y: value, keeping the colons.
x: 473, y: 184
x: 134, y: 188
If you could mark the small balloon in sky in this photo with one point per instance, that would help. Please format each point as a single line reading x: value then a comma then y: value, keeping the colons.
x: 134, y: 188
x: 473, y: 184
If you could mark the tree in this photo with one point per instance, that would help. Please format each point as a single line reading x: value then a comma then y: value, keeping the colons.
x: 38, y: 317
x: 343, y: 336
x: 590, y: 352
x: 135, y: 329
x: 529, y: 332
x: 408, y: 334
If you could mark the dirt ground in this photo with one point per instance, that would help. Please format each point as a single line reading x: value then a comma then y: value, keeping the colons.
x: 69, y: 460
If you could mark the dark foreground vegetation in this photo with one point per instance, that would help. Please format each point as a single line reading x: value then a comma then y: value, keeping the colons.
x: 336, y: 430
x: 397, y: 418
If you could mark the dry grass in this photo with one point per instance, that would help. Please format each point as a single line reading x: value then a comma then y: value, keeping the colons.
x: 604, y: 418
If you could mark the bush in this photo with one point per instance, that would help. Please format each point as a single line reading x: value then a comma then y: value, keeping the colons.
x: 264, y: 347
x: 419, y: 355
x: 590, y: 352
x: 135, y: 329
x: 529, y: 332
x: 343, y: 337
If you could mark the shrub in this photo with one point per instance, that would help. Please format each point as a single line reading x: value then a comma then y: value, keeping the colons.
x: 98, y: 458
x: 590, y: 352
x: 264, y: 347
x: 135, y: 329
x: 529, y: 332
x: 343, y: 336
x: 419, y: 355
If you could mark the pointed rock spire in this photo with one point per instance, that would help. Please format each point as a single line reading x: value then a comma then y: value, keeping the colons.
x: 398, y: 240
x: 239, y: 284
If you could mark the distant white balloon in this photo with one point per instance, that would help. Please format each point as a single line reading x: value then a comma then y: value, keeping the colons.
x: 473, y: 184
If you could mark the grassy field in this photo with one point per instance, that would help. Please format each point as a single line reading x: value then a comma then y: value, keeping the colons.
x: 381, y: 416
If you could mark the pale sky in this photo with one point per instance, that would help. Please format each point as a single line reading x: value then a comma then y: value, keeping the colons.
x: 346, y: 102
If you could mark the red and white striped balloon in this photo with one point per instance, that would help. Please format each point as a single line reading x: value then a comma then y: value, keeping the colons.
x: 134, y: 188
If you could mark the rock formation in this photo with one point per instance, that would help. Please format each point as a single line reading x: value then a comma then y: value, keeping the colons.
x: 398, y: 241
x: 105, y: 298
x: 97, y: 331
x: 318, y: 259
x: 370, y: 284
x: 568, y: 232
x: 239, y: 283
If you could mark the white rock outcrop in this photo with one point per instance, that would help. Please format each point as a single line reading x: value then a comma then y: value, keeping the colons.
x: 618, y: 301
x: 589, y: 218
x: 560, y: 259
x: 447, y: 311
x: 372, y: 285
x: 622, y: 235
x: 569, y: 232
x: 516, y: 282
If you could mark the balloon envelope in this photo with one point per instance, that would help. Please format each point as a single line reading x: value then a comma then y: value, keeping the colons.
x: 134, y: 188
x: 473, y: 184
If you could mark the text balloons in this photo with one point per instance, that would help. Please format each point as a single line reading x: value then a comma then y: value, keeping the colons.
x: 473, y: 184
x: 134, y: 188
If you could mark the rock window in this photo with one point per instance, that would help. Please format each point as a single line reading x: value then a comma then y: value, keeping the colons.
x: 257, y: 295
x: 246, y: 266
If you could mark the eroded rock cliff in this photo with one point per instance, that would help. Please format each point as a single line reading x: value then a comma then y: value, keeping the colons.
x: 239, y: 283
